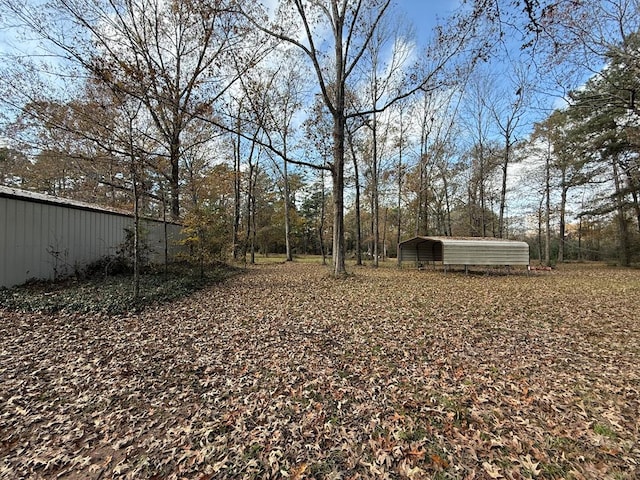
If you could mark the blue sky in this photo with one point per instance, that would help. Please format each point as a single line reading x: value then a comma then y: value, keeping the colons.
x: 426, y: 10
x: 425, y: 13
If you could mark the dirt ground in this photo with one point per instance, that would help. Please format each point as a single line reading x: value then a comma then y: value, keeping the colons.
x: 283, y: 372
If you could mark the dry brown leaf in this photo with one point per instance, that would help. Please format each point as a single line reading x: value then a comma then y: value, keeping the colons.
x: 389, y: 373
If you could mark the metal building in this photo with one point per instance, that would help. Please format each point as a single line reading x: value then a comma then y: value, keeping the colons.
x: 45, y: 237
x: 464, y: 251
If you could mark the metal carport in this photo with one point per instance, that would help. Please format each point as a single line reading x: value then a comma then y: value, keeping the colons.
x: 464, y: 251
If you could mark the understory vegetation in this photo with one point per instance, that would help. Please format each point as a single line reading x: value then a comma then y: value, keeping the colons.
x: 112, y: 292
x: 286, y: 372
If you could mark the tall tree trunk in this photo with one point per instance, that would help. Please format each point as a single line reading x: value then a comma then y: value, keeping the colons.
x: 426, y: 218
x: 237, y: 206
x: 371, y: 225
x: 337, y: 169
x: 287, y: 221
x: 202, y: 241
x: 165, y: 231
x: 253, y: 224
x: 547, y: 194
x: 483, y: 205
x: 384, y: 235
x: 174, y: 158
x: 580, y: 239
x: 247, y: 236
x: 426, y: 125
x: 399, y: 203
x: 136, y: 213
x: 540, y: 229
x: 623, y: 228
x: 563, y: 208
x: 136, y: 224
x: 421, y: 187
x: 503, y: 189
x: 375, y: 202
x: 470, y: 207
x: 357, y: 200
x: 338, y: 250
x: 447, y: 199
x: 136, y: 235
x: 322, y: 214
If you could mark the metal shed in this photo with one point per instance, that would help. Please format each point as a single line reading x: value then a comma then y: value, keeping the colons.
x: 464, y: 251
x: 44, y: 237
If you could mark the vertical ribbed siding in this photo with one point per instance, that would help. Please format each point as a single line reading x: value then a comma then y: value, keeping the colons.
x: 8, y: 237
x: 486, y: 253
x: 41, y: 240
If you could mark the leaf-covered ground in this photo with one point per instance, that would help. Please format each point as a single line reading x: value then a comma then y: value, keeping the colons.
x: 285, y: 372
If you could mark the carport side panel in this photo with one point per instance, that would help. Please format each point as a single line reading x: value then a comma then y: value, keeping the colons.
x: 485, y: 255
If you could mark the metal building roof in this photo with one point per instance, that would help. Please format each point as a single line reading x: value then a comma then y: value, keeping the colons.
x: 35, y: 197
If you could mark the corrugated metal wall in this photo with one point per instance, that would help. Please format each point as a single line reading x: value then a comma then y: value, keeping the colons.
x: 485, y: 253
x: 42, y: 240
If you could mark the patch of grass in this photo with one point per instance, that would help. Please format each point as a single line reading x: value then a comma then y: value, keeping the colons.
x: 604, y: 430
x: 110, y: 295
x: 558, y: 443
x: 275, y: 258
x: 555, y: 470
x: 334, y: 461
x: 253, y: 451
x: 413, y: 435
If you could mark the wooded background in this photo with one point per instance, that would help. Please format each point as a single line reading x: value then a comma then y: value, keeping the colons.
x: 335, y: 126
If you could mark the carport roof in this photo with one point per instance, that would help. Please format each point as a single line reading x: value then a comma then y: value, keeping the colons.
x: 460, y: 241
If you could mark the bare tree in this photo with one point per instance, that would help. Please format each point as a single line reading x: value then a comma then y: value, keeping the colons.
x: 400, y: 143
x: 507, y: 105
x: 383, y: 74
x: 350, y: 34
x: 250, y: 99
x: 285, y: 101
x: 352, y: 25
x: 170, y: 56
x: 478, y: 118
x: 351, y: 142
x: 438, y: 114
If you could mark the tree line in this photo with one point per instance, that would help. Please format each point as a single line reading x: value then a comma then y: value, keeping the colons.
x: 332, y: 127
